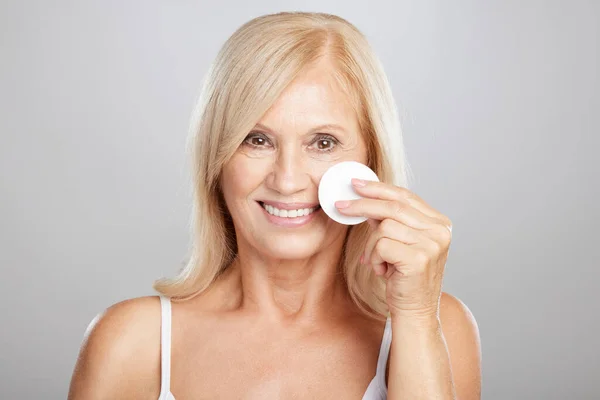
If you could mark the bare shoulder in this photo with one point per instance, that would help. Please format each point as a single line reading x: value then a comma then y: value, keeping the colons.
x: 119, y: 357
x: 453, y: 312
x: 461, y: 333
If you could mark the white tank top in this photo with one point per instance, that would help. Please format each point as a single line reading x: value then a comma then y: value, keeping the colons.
x: 377, y: 389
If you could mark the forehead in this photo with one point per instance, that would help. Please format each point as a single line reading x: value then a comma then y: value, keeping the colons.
x: 313, y: 98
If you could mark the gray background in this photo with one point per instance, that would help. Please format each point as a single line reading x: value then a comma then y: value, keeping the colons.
x: 499, y: 102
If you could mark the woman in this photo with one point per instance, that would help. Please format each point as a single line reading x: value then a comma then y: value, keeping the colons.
x: 265, y: 310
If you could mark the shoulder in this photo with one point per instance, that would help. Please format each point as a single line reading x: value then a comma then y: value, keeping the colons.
x: 120, y: 353
x: 461, y: 334
x: 454, y: 313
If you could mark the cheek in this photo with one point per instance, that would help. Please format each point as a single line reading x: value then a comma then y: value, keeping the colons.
x: 241, y: 176
x: 317, y: 168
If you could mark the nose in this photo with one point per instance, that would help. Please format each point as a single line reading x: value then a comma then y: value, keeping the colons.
x: 289, y: 174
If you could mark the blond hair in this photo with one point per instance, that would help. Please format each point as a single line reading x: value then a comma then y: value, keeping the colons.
x: 251, y: 70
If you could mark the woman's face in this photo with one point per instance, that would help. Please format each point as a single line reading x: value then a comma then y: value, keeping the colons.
x: 283, y: 159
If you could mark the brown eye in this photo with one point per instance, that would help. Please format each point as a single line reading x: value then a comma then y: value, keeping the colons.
x: 324, y: 147
x: 255, y: 140
x: 326, y: 143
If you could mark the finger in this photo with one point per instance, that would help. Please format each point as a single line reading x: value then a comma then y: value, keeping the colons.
x: 387, y: 191
x: 394, y: 230
x: 396, y: 254
x: 389, y: 271
x: 393, y: 209
x: 381, y: 269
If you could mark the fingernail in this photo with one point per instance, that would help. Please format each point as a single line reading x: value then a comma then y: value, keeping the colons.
x: 359, y: 182
x: 342, y: 204
x: 362, y: 258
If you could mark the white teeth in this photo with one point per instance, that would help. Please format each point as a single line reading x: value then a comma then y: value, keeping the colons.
x: 288, y: 213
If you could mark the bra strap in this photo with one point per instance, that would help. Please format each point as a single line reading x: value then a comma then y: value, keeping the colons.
x: 165, y: 344
x: 384, y: 351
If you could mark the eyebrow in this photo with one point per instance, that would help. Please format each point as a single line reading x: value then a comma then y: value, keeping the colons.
x: 316, y: 128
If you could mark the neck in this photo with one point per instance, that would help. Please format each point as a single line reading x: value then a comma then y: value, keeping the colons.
x: 289, y: 291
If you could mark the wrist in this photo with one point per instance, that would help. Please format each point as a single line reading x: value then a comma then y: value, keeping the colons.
x: 408, y: 323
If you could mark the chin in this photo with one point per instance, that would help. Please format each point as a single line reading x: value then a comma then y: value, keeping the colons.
x: 290, y: 249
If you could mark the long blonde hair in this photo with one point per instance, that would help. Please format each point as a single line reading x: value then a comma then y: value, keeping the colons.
x: 250, y: 71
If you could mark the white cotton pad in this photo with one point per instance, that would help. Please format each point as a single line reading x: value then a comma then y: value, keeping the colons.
x: 336, y: 184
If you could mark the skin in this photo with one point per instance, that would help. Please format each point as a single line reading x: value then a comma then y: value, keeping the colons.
x: 289, y: 275
x: 279, y: 322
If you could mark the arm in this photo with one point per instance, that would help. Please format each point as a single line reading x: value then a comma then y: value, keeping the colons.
x: 436, y: 360
x: 120, y: 354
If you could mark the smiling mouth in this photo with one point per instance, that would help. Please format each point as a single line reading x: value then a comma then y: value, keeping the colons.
x: 298, y: 213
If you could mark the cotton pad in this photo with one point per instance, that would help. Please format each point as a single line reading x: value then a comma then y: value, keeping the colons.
x: 336, y: 184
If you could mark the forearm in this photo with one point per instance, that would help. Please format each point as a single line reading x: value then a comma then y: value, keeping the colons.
x: 419, y: 363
